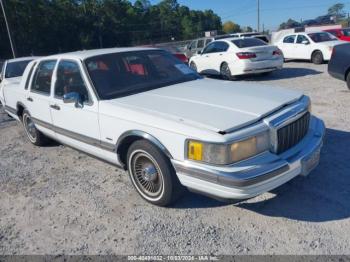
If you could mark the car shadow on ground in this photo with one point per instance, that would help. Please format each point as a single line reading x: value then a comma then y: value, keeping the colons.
x: 322, y: 196
x: 284, y: 73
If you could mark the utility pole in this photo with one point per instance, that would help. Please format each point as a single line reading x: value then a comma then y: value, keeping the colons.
x: 258, y: 15
x: 8, y: 29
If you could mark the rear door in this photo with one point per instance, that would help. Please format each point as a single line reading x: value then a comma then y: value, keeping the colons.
x: 38, y: 97
x: 219, y: 55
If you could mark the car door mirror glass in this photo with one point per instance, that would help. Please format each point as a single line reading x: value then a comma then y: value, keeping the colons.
x: 74, y: 97
x: 305, y: 42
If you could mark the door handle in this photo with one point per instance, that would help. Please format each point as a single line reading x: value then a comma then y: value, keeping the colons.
x: 30, y: 99
x: 56, y: 107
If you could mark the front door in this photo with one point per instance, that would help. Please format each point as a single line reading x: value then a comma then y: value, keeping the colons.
x: 75, y: 124
x: 287, y: 46
x: 302, y: 48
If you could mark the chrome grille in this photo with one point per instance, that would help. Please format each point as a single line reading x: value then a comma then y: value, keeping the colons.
x: 291, y: 134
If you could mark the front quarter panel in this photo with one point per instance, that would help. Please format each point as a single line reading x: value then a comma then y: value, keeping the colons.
x: 115, y: 121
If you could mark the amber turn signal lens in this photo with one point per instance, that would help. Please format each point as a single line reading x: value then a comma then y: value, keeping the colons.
x: 195, y: 150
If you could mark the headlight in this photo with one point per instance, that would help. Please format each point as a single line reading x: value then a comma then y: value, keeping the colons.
x: 224, y: 154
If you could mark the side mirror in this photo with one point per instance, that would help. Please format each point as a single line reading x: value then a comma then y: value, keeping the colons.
x: 305, y: 42
x: 74, y: 97
x: 199, y: 52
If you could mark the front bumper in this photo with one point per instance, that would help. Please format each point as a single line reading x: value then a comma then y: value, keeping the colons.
x: 256, y: 175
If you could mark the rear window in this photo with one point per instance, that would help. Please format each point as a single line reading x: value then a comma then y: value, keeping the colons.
x: 248, y: 42
x: 15, y: 69
x: 263, y: 38
x: 322, y: 37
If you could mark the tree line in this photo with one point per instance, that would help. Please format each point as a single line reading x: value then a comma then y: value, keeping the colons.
x: 335, y: 14
x: 42, y: 27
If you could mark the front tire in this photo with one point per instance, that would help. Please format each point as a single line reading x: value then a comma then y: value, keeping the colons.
x: 34, y: 135
x: 152, y: 174
x: 317, y: 58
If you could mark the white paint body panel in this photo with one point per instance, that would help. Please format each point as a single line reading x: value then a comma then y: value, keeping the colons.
x: 302, y: 51
x: 197, y: 109
x: 210, y: 63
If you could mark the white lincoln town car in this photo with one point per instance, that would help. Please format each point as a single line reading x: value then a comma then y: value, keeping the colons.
x: 145, y: 111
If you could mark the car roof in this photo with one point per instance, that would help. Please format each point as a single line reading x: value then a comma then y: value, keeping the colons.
x: 229, y: 39
x: 19, y: 59
x: 81, y: 55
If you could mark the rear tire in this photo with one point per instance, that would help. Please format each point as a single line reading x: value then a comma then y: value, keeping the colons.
x: 348, y: 80
x: 317, y: 58
x: 152, y: 174
x: 34, y: 135
x: 225, y: 72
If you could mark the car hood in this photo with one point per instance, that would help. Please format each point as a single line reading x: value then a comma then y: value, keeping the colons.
x: 220, y: 106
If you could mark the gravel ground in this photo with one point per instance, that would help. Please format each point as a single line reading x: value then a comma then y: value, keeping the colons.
x: 55, y: 200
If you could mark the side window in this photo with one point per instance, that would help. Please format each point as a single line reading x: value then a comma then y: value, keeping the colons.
x: 208, y: 41
x: 69, y: 80
x: 335, y: 33
x: 43, y: 76
x: 192, y: 45
x: 209, y: 48
x: 200, y: 43
x: 301, y: 39
x: 221, y: 47
x: 289, y: 39
x: 29, y: 76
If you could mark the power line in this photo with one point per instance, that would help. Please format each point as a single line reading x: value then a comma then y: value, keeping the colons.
x: 8, y: 30
x: 258, y: 2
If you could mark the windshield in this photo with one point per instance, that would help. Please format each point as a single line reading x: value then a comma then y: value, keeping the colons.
x: 248, y: 42
x: 322, y: 37
x: 15, y: 69
x: 122, y: 74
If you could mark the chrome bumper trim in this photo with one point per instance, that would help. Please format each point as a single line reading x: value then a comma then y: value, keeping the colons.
x: 258, y: 173
x: 237, y: 179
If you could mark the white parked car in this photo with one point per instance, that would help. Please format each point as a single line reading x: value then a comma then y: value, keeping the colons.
x: 315, y: 46
x: 145, y: 111
x: 237, y: 56
x: 12, y: 72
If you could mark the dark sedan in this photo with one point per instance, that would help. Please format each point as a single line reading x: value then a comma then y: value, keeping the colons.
x: 339, y: 65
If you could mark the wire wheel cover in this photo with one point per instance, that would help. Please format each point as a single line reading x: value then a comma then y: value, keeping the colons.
x: 147, y: 174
